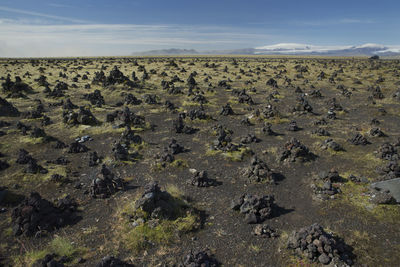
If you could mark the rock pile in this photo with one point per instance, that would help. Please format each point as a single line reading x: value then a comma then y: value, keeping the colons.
x: 302, y: 106
x: 198, y: 113
x: 265, y: 231
x: 293, y: 126
x: 156, y: 203
x: 105, y: 184
x: 7, y: 109
x: 175, y: 148
x: 199, y: 258
x: 129, y: 137
x: 200, y: 179
x: 388, y: 151
x: 32, y: 165
x: 266, y: 129
x: 330, y: 144
x: 49, y: 260
x: 223, y: 142
x: 376, y: 132
x: 94, y: 159
x: 3, y: 165
x: 390, y: 171
x: 258, y: 171
x: 378, y: 196
x: 15, y: 89
x: 77, y: 147
x: 358, y: 139
x: 95, y: 98
x: 84, y: 116
x: 110, y: 261
x: 36, y: 214
x: 121, y: 152
x: 324, y: 186
x: 180, y: 127
x: 226, y: 110
x: 132, y: 100
x: 256, y: 209
x: 320, y: 132
x: 316, y: 244
x: 293, y: 151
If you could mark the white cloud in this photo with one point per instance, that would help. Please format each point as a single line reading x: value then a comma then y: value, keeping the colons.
x: 333, y: 22
x: 38, y: 14
x: 30, y: 39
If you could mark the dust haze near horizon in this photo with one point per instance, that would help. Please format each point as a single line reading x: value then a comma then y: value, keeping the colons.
x: 106, y: 28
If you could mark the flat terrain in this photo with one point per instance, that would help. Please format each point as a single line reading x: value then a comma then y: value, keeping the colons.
x: 255, y: 125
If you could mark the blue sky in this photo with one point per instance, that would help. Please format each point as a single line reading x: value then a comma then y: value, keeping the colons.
x: 90, y: 28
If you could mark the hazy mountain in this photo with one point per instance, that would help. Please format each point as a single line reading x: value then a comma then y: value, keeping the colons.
x: 171, y: 51
x: 290, y: 49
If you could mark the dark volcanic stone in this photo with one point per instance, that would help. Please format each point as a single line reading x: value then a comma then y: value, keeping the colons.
x: 294, y: 151
x: 110, y: 261
x: 7, y: 109
x: 77, y: 147
x: 258, y: 171
x: 199, y: 258
x: 257, y: 209
x: 358, y: 139
x: 316, y: 244
x: 48, y: 261
x: 226, y: 110
x: 36, y: 214
x: 200, y: 179
x: 105, y: 184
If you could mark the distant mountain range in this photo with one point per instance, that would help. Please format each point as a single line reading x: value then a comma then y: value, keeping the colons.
x: 288, y: 49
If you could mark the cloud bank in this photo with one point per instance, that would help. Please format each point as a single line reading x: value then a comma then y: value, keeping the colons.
x: 22, y: 38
